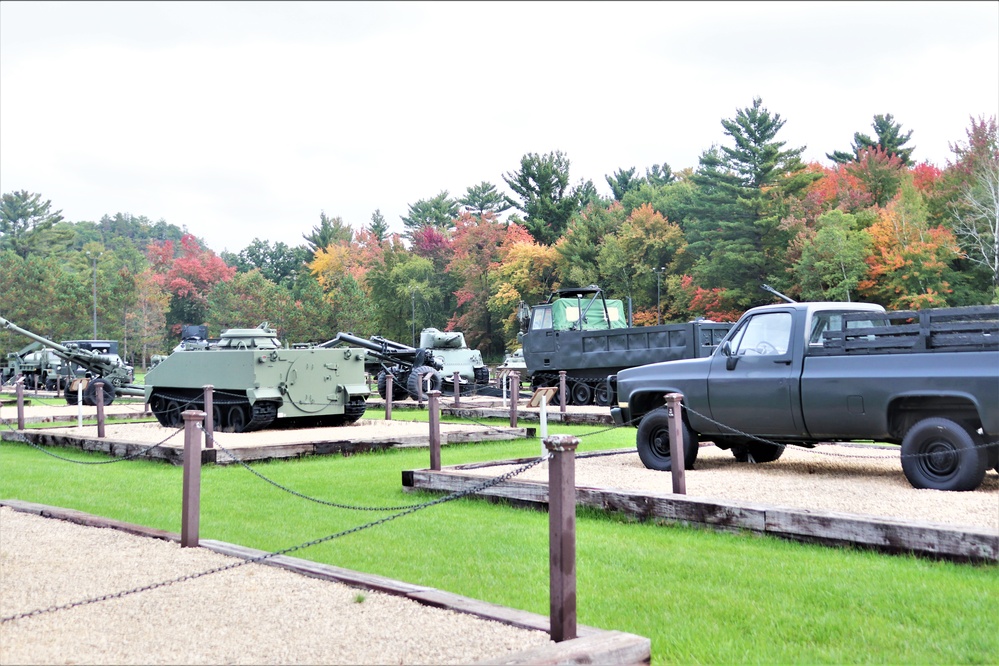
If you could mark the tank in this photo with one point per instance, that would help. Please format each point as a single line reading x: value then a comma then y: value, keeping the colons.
x: 453, y: 355
x: 258, y: 383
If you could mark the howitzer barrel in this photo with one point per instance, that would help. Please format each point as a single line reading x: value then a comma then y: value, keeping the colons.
x: 55, y: 346
x: 91, y: 360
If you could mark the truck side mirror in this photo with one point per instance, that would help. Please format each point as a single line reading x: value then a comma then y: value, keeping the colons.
x: 730, y: 360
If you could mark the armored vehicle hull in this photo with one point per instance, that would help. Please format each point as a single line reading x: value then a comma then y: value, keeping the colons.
x: 258, y: 383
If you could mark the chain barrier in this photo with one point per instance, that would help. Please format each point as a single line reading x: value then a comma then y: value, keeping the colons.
x: 488, y: 483
x: 18, y: 437
x: 286, y: 489
x: 809, y: 449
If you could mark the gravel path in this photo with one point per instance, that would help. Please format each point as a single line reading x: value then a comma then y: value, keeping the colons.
x: 254, y: 614
x: 846, y: 479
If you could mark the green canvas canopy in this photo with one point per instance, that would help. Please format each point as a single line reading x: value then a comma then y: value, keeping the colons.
x: 565, y: 314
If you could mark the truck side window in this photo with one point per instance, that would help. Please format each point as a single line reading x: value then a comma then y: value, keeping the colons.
x: 765, y: 334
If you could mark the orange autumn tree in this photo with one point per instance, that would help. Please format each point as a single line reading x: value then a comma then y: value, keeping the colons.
x: 188, y: 278
x: 527, y: 271
x: 478, y: 244
x: 340, y: 270
x: 910, y: 262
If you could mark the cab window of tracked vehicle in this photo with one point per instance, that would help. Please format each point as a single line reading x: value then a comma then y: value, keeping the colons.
x: 542, y: 319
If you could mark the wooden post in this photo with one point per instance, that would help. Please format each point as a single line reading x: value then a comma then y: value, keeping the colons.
x: 561, y: 391
x: 191, y: 503
x: 676, y: 452
x: 514, y: 397
x: 457, y: 388
x: 99, y: 399
x: 562, y: 536
x: 388, y: 395
x: 20, y: 402
x: 209, y: 416
x: 434, y: 409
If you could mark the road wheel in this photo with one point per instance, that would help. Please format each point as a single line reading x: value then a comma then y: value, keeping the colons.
x: 653, y: 442
x: 602, y: 395
x: 757, y: 452
x: 416, y: 383
x: 939, y: 454
x: 171, y: 414
x: 581, y: 393
x: 235, y: 418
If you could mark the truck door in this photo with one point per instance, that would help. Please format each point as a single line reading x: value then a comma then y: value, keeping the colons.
x: 751, y: 389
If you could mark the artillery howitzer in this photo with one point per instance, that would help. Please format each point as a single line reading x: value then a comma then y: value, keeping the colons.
x: 106, y: 371
x: 407, y: 365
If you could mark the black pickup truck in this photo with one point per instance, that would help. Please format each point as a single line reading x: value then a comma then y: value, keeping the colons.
x: 802, y: 373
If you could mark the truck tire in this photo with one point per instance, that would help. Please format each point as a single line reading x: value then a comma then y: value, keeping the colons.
x: 757, y: 452
x: 653, y: 442
x: 481, y: 377
x: 939, y: 454
x: 399, y: 391
x: 416, y: 388
x: 90, y: 392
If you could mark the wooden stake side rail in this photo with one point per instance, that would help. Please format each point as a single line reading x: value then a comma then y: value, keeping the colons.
x: 593, y: 645
x: 830, y: 528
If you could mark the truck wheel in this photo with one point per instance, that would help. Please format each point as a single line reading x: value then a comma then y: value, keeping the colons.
x: 417, y: 388
x: 939, y: 454
x: 653, y: 442
x: 757, y: 452
x: 481, y: 376
x: 90, y: 393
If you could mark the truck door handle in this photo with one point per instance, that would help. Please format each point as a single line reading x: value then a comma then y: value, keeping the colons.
x: 784, y: 362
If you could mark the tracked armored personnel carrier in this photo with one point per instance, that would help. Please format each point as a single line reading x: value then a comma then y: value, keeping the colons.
x: 588, y: 336
x: 258, y: 383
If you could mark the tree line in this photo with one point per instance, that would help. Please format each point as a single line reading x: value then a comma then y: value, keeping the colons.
x: 872, y: 225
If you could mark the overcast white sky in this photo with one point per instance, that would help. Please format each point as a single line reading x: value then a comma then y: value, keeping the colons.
x: 243, y: 120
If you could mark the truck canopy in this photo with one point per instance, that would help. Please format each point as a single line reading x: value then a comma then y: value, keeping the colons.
x: 566, y: 314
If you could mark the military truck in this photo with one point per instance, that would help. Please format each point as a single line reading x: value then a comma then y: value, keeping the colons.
x: 589, y: 336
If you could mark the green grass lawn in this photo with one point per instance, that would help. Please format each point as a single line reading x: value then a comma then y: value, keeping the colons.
x: 701, y: 596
